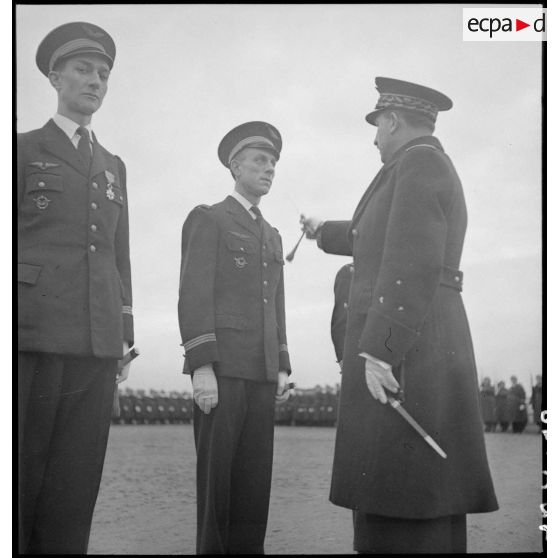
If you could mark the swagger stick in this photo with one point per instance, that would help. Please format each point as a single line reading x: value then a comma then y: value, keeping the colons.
x: 397, y: 406
x: 290, y: 256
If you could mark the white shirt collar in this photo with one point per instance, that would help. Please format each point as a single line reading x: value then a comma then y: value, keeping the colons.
x: 244, y: 202
x: 68, y: 126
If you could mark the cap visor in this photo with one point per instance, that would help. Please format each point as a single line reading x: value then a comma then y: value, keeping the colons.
x: 371, y: 117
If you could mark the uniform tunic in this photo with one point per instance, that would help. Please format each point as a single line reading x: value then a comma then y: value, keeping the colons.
x: 405, y: 308
x: 74, y: 280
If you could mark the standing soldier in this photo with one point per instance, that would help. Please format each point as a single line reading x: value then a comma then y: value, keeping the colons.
x: 503, y: 411
x: 536, y: 401
x: 74, y: 296
x: 488, y: 405
x: 518, y: 407
x: 407, y: 328
x: 231, y: 312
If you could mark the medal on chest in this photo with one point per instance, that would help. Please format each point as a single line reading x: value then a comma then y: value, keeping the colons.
x: 240, y: 262
x: 110, y: 183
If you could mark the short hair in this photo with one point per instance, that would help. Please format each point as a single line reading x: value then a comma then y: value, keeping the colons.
x: 415, y: 119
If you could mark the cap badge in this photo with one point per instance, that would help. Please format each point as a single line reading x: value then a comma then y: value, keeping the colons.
x: 240, y: 262
x: 41, y: 202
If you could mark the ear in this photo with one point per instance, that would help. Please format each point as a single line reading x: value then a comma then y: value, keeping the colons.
x: 394, y: 121
x: 234, y: 167
x: 54, y: 78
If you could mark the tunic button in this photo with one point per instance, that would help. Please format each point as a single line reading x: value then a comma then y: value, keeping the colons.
x: 345, y: 305
x: 94, y: 228
x: 265, y: 283
x: 95, y: 185
x: 352, y: 269
x: 265, y: 264
x: 93, y: 205
x: 400, y: 309
x: 381, y: 300
x: 265, y: 300
x: 399, y: 281
x: 41, y: 184
x: 92, y: 248
x: 456, y: 277
x: 354, y: 232
x: 242, y: 248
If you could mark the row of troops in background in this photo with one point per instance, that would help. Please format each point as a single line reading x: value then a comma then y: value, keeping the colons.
x: 406, y: 330
x: 503, y: 406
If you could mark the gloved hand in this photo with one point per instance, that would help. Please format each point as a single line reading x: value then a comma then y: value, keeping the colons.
x: 282, y: 394
x: 204, y: 383
x: 379, y: 376
x: 310, y: 226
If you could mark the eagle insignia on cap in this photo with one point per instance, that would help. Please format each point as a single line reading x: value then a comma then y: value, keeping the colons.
x: 94, y: 33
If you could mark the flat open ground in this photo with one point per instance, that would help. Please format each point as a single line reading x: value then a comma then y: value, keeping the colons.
x: 147, y: 500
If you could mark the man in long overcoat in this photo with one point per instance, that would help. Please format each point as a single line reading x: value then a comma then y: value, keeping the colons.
x: 74, y: 296
x: 231, y: 312
x: 407, y: 329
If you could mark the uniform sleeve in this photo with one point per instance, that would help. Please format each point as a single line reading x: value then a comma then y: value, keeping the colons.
x: 412, y: 261
x: 196, y: 302
x: 339, y: 314
x: 334, y: 238
x: 122, y: 251
x: 284, y: 361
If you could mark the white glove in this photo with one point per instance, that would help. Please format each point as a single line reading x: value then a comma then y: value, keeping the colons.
x: 282, y: 394
x: 310, y: 226
x: 379, y: 376
x: 204, y: 383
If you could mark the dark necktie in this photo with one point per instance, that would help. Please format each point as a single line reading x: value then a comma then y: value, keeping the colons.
x: 256, y: 211
x: 84, y: 146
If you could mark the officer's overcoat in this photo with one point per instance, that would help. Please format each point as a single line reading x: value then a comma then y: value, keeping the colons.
x: 231, y: 306
x: 74, y: 282
x: 405, y: 308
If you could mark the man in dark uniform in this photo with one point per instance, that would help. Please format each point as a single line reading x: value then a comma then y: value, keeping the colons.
x: 341, y: 290
x: 518, y: 407
x: 231, y: 313
x: 407, y: 328
x: 74, y: 296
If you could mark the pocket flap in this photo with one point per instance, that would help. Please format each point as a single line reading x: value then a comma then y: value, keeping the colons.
x: 28, y: 273
x: 43, y: 181
x: 230, y: 321
x: 237, y: 244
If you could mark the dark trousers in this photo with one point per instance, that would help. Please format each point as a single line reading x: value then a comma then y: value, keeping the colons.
x: 234, y: 445
x: 64, y: 407
x: 376, y: 534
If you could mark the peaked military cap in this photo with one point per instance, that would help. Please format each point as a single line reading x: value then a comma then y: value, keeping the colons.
x: 396, y: 93
x: 250, y: 134
x: 72, y: 39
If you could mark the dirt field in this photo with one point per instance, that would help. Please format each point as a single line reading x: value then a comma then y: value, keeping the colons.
x: 147, y: 500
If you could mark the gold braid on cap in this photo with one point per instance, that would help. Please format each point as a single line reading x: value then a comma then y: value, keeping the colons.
x: 393, y: 100
x: 247, y: 142
x: 69, y: 47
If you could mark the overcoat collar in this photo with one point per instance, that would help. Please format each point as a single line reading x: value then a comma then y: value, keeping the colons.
x: 240, y: 216
x: 423, y: 140
x: 55, y: 141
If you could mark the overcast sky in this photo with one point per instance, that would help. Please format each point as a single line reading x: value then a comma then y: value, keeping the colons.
x: 185, y: 75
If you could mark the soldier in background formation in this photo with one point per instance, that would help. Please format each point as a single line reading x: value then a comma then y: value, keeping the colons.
x: 537, y: 400
x: 508, y: 406
x: 488, y: 405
